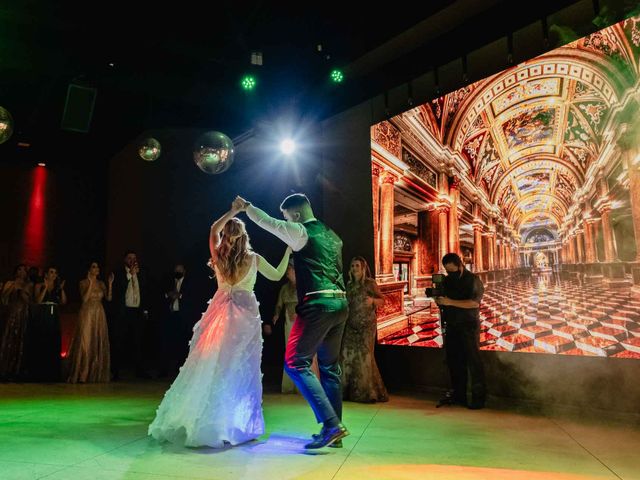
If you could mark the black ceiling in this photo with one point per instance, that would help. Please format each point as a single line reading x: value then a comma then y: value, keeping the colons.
x: 179, y: 64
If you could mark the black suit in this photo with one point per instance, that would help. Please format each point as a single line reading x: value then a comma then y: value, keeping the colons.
x: 177, y: 324
x: 128, y: 325
x: 462, y: 337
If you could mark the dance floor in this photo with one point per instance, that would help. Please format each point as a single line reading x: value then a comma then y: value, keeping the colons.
x: 98, y: 432
x: 545, y: 314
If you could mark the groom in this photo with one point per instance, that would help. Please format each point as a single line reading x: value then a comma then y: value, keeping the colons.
x: 322, y: 310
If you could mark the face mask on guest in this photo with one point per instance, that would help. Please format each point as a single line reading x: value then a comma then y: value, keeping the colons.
x: 178, y: 275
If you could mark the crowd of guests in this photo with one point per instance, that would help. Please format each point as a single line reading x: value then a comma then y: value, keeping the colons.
x: 109, y: 332
x: 30, y: 345
x: 112, y: 321
x: 112, y: 325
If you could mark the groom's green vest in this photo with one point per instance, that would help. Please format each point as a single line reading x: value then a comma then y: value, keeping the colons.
x: 318, y: 264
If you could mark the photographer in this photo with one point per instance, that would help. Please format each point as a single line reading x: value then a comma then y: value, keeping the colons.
x: 460, y: 314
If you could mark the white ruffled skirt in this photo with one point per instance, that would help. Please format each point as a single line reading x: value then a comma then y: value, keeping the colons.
x: 217, y: 396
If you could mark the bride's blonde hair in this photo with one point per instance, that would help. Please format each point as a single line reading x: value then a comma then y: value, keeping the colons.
x: 234, y: 249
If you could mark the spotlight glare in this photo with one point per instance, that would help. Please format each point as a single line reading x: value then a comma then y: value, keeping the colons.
x: 287, y: 146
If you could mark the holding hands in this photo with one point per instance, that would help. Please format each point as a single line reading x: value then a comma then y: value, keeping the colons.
x: 239, y: 205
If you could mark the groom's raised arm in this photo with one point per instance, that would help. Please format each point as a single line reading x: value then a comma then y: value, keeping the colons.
x: 293, y: 234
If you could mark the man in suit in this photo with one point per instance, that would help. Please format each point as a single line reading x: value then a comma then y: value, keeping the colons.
x: 129, y: 319
x: 178, y: 320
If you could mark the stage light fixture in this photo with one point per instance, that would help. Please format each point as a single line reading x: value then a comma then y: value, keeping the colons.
x: 337, y: 76
x: 248, y: 83
x: 256, y: 58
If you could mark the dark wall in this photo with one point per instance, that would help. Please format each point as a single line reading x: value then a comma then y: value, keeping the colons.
x: 74, y: 209
x: 164, y: 209
x: 346, y: 179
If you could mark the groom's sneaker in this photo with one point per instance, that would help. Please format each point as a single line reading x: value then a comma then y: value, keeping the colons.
x: 328, y: 436
x: 336, y: 444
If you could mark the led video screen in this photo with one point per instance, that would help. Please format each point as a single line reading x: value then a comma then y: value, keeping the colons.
x: 533, y: 177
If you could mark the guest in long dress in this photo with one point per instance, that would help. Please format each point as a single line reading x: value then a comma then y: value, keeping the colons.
x: 16, y: 296
x: 361, y: 380
x: 287, y: 301
x: 90, y: 358
x: 46, y: 340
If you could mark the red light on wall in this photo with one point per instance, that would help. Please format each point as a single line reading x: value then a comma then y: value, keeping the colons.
x: 34, y: 229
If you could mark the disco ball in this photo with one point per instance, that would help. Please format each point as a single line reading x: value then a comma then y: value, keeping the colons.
x: 6, y: 125
x: 149, y: 149
x: 213, y: 152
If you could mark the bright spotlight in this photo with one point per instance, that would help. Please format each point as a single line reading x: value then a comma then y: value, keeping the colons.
x: 287, y: 146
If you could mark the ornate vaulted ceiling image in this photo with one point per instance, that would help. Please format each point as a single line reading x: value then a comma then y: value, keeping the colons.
x: 529, y: 135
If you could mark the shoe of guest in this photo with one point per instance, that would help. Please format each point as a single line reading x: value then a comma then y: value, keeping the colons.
x: 449, y: 398
x: 476, y: 405
x: 328, y: 436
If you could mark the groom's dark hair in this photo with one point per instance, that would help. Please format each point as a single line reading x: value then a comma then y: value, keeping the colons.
x: 296, y: 200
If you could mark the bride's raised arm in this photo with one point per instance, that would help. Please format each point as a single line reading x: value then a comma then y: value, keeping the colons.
x: 216, y: 230
x: 275, y: 274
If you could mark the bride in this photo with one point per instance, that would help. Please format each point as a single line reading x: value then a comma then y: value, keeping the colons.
x: 216, y: 398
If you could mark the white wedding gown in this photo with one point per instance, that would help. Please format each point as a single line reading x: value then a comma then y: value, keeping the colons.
x: 217, y: 396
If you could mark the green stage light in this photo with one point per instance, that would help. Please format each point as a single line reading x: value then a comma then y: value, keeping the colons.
x: 337, y: 76
x: 248, y: 82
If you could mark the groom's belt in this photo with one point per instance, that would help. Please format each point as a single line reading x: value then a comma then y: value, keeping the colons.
x: 312, y: 296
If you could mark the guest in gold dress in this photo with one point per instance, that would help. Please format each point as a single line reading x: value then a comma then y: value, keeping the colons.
x: 90, y: 358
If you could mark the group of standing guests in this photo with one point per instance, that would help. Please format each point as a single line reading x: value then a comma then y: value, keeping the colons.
x: 102, y: 345
x: 30, y: 342
x: 30, y: 337
x: 361, y: 379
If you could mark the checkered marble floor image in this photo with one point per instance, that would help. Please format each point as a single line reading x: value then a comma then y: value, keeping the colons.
x: 544, y: 314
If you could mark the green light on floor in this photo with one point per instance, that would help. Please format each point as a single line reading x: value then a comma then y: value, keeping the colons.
x: 337, y: 76
x: 248, y: 82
